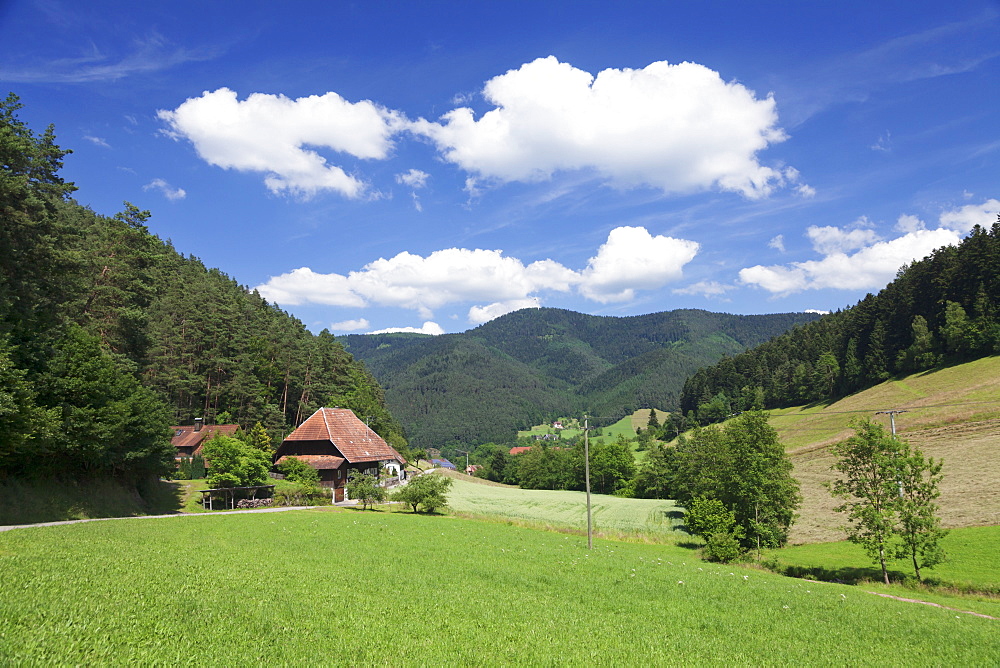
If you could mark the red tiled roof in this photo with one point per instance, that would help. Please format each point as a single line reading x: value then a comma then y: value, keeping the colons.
x: 352, y: 438
x: 519, y: 449
x: 186, y: 437
x: 316, y: 461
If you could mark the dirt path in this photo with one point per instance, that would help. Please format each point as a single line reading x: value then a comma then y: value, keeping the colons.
x: 936, y: 605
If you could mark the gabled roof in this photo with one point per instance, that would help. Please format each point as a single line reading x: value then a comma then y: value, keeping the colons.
x: 316, y: 461
x: 519, y: 449
x: 185, y: 436
x: 353, y: 439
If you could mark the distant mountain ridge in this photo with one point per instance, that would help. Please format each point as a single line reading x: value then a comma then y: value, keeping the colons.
x: 535, y: 364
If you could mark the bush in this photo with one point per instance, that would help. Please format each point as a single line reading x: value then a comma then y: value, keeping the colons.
x: 296, y: 470
x: 723, y: 547
x: 296, y: 494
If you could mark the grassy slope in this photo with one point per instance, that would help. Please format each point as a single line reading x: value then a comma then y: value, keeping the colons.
x: 952, y: 414
x: 30, y: 501
x: 298, y: 588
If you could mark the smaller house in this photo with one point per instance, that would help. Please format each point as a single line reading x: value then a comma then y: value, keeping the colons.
x: 519, y: 449
x: 189, y: 439
x: 557, y: 425
x: 472, y: 468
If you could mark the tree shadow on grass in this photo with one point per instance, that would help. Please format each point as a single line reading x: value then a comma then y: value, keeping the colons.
x: 844, y: 575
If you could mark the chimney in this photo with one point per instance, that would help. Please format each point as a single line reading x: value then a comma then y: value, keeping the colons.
x: 197, y: 423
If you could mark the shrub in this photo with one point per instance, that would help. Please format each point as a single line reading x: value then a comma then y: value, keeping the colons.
x: 723, y: 547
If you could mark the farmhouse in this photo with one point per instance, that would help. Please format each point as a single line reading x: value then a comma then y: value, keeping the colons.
x: 335, y: 442
x: 189, y: 439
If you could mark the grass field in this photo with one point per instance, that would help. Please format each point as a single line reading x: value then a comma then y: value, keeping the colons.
x: 971, y: 569
x: 370, y: 588
x: 562, y: 509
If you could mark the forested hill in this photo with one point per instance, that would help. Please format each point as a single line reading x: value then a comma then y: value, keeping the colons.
x: 108, y: 335
x: 536, y: 364
x: 940, y: 310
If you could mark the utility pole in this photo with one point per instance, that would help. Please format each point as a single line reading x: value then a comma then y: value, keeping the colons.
x: 586, y: 477
x: 892, y: 418
x: 892, y: 421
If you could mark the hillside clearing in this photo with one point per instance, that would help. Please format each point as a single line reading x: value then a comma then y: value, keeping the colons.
x: 951, y: 414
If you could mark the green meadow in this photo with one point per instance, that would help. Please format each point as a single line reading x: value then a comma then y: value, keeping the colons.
x: 322, y: 587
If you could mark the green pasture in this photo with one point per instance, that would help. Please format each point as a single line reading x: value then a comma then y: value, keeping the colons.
x: 563, y: 509
x: 342, y: 587
x: 972, y: 568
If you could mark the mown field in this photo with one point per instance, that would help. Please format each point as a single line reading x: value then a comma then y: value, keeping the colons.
x: 562, y: 509
x: 389, y: 588
x: 952, y: 414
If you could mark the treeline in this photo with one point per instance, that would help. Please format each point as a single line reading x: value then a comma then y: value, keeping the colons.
x: 533, y: 365
x: 108, y: 335
x: 939, y: 310
x: 560, y: 465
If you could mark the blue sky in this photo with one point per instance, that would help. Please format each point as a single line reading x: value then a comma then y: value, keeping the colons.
x: 432, y: 165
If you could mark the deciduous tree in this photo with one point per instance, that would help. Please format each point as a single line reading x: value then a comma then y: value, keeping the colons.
x: 429, y: 490
x: 869, y: 462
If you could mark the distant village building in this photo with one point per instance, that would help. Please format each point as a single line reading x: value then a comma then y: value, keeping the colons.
x: 472, y: 468
x: 443, y: 464
x: 557, y: 425
x: 519, y: 449
x: 189, y: 439
x: 335, y: 442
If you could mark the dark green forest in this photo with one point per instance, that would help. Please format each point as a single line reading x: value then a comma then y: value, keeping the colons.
x: 939, y: 310
x: 534, y: 365
x: 108, y: 335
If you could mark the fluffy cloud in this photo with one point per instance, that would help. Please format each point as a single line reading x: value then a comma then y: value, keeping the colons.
x: 679, y: 128
x: 630, y: 260
x: 675, y: 127
x: 350, y: 325
x: 303, y: 285
x: 963, y: 219
x: 874, y: 262
x: 268, y: 134
x: 431, y: 328
x: 168, y: 191
x: 633, y: 259
x: 480, y: 314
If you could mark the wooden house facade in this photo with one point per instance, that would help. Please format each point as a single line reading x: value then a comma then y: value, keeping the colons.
x: 335, y: 442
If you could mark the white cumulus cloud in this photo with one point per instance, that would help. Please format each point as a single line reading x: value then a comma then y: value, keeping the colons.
x: 480, y: 314
x: 166, y: 189
x: 676, y: 127
x: 269, y: 134
x: 428, y: 327
x: 350, y: 325
x: 963, y: 219
x: 631, y: 259
x: 874, y: 262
